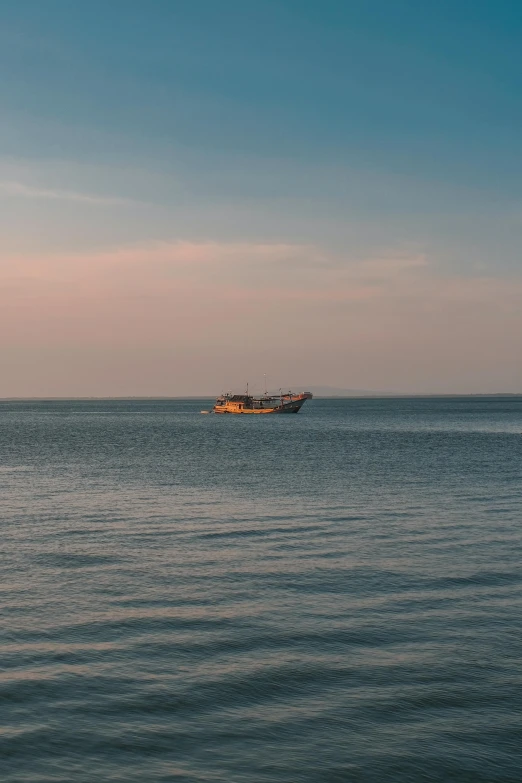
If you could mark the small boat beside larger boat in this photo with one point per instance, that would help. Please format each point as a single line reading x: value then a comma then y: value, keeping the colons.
x: 245, y: 403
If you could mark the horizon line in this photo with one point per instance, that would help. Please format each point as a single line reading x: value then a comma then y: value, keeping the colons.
x: 379, y: 395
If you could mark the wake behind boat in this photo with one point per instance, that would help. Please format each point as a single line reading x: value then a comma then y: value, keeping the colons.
x: 246, y: 403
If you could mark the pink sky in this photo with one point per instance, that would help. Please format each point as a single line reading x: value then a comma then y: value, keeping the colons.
x: 186, y: 318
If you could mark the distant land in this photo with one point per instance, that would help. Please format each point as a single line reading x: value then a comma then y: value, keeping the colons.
x: 333, y: 391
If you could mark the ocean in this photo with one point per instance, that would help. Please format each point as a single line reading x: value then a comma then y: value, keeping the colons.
x: 328, y: 597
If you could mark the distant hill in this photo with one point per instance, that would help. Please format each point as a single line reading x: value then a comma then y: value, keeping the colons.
x: 333, y: 391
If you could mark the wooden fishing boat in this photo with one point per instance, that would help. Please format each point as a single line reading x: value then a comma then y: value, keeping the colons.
x: 267, y: 403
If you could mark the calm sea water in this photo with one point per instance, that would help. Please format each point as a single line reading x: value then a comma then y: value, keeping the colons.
x: 332, y: 596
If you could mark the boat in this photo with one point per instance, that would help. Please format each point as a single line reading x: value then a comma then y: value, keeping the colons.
x: 267, y: 403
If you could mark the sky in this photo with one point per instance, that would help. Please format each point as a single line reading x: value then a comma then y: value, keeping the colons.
x: 196, y: 194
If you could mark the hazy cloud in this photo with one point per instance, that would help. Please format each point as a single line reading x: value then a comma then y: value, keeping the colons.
x: 31, y: 191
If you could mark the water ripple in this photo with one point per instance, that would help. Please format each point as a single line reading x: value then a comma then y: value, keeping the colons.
x: 333, y: 597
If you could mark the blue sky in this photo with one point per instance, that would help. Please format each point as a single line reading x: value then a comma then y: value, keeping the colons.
x: 361, y: 129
